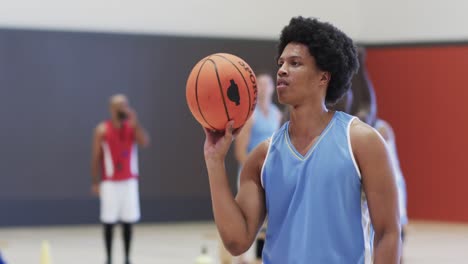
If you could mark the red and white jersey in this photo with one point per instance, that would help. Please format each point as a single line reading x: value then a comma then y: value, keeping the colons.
x: 119, y: 153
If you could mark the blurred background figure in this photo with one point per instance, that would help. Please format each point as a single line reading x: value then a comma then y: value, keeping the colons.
x: 265, y: 120
x: 364, y: 103
x: 115, y: 171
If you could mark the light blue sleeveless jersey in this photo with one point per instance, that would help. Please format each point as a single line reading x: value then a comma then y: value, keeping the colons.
x: 317, y: 211
x: 263, y: 126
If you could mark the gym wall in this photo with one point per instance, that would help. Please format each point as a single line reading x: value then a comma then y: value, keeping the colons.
x: 60, y: 61
x: 421, y: 91
x: 54, y: 90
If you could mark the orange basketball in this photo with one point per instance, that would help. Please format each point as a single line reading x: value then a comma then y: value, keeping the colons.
x: 220, y: 88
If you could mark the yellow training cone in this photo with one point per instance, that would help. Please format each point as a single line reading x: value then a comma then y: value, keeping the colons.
x: 204, y: 258
x: 45, y: 253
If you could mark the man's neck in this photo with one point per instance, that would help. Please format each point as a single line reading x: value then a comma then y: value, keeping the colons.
x: 116, y: 123
x: 309, y: 120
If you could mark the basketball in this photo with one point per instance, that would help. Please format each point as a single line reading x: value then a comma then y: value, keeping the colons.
x: 221, y: 87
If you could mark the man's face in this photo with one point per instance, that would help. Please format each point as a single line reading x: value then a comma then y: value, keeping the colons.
x: 298, y: 76
x: 119, y: 107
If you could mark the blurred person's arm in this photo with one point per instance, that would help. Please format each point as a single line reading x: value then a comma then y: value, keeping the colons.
x: 96, y: 153
x: 141, y: 136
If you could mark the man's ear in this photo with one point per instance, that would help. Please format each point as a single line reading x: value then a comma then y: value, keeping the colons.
x: 325, y: 78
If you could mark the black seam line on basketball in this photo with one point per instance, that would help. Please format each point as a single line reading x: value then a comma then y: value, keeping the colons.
x: 246, y: 85
x: 221, y: 90
x: 196, y: 96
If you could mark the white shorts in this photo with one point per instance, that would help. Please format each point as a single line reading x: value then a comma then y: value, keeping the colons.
x: 119, y: 201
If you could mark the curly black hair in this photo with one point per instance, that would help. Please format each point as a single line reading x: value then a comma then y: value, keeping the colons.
x: 332, y: 49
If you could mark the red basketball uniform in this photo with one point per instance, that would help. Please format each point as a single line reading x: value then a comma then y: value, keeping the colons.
x: 119, y: 153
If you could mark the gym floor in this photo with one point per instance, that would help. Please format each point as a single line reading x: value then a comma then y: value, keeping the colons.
x: 180, y: 243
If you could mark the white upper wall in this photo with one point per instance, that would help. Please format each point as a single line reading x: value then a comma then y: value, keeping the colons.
x: 365, y: 20
x: 413, y: 20
x: 222, y: 18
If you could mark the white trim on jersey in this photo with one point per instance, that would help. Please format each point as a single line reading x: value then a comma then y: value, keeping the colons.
x: 134, y: 160
x: 350, y: 148
x: 265, y: 161
x: 108, y: 163
x: 367, y: 230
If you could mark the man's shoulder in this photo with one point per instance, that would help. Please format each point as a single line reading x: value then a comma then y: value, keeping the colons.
x: 259, y: 153
x: 101, y: 128
x: 256, y: 159
x: 261, y: 149
x: 362, y: 132
x: 364, y: 138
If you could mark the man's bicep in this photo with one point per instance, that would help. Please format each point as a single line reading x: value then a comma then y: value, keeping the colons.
x: 96, y: 144
x: 251, y: 196
x: 378, y: 179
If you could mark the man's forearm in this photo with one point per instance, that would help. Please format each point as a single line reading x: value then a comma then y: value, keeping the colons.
x: 228, y: 215
x: 387, y: 248
x: 95, y: 173
x: 141, y: 135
